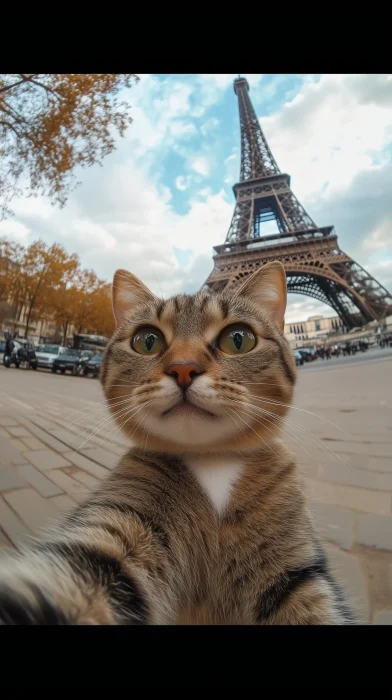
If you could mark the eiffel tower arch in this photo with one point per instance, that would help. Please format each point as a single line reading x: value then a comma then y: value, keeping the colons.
x: 314, y: 263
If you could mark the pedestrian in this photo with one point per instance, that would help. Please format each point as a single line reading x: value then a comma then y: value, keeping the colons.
x: 9, y: 346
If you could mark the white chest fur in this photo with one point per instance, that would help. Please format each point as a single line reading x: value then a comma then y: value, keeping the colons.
x: 216, y: 475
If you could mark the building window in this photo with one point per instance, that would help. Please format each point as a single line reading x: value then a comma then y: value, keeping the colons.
x: 317, y: 324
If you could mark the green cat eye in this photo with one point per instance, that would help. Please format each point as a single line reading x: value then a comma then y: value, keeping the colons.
x: 148, y: 341
x: 236, y: 340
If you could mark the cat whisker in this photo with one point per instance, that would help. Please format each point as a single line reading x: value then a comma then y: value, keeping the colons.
x: 268, y: 420
x: 129, y: 384
x: 97, y: 410
x: 156, y: 278
x: 318, y: 443
x: 306, y: 432
x: 96, y: 404
x: 250, y: 427
x: 128, y: 418
x: 303, y: 410
x: 102, y: 424
x: 246, y: 381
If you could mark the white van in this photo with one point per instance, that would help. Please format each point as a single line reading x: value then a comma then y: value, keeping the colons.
x: 46, y: 354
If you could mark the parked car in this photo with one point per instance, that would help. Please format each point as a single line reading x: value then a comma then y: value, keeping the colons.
x: 24, y: 357
x: 299, y: 360
x: 306, y: 354
x: 46, y: 354
x: 311, y: 352
x: 70, y: 360
x: 93, y: 365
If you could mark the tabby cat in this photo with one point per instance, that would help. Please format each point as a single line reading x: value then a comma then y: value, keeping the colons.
x: 205, y: 520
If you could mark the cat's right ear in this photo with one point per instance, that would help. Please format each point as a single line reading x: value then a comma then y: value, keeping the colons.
x: 127, y: 291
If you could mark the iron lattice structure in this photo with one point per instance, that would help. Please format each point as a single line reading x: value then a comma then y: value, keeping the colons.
x: 314, y: 263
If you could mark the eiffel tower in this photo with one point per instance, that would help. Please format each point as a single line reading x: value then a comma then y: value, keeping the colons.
x: 314, y: 263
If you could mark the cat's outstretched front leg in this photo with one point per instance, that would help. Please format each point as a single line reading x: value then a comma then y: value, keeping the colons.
x: 122, y: 557
x: 70, y: 582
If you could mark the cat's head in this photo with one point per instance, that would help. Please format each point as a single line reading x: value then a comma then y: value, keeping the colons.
x: 206, y: 372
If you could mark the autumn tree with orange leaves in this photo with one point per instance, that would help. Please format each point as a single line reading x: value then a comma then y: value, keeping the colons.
x: 51, y: 285
x: 50, y: 123
x: 84, y: 301
x: 36, y: 273
x: 101, y: 319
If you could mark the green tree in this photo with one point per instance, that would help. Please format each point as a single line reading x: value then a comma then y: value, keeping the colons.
x: 50, y: 123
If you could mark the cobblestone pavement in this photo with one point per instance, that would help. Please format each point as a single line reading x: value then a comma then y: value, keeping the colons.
x: 57, y: 442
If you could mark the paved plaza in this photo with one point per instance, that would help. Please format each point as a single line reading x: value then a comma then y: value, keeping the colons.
x: 57, y: 442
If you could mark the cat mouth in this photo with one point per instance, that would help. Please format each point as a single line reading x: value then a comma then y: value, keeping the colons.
x: 186, y: 408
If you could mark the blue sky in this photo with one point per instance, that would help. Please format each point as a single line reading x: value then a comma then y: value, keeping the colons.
x: 164, y: 197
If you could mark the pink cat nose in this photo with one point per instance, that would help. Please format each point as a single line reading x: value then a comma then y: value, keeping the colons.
x: 184, y: 373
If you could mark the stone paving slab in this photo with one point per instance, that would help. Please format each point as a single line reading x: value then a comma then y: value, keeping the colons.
x: 87, y: 464
x: 64, y: 503
x: 340, y: 474
x: 18, y: 445
x: 46, y: 459
x: 384, y: 482
x: 357, y: 499
x: 17, y: 431
x: 43, y: 485
x: 66, y: 483
x: 12, y: 525
x: 36, y: 512
x: 46, y: 438
x: 90, y: 481
x: 372, y: 449
x: 10, y: 454
x: 9, y: 479
x: 383, y: 618
x: 108, y: 459
x: 375, y: 531
x: 70, y: 439
x: 32, y: 443
x: 7, y: 421
x: 334, y: 524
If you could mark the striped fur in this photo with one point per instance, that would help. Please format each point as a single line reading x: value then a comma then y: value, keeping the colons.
x: 156, y: 544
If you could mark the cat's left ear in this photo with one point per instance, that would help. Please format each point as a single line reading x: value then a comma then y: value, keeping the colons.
x: 128, y: 291
x: 268, y: 288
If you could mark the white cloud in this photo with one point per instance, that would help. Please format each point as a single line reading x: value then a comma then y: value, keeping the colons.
x: 224, y: 80
x: 330, y: 131
x: 209, y: 125
x: 14, y: 229
x: 201, y: 165
x: 120, y: 218
x: 300, y: 308
x: 183, y: 182
x: 182, y: 128
x: 211, y: 86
